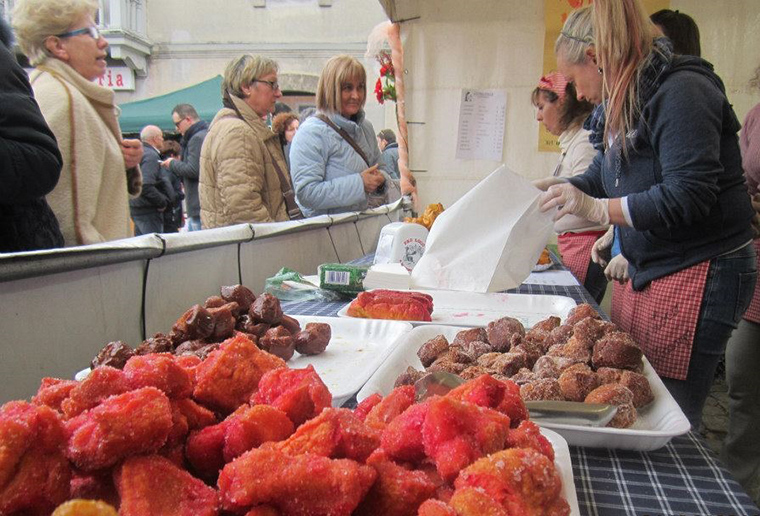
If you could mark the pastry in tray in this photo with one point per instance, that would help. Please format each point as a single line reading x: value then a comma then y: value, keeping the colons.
x: 585, y: 359
x: 392, y: 304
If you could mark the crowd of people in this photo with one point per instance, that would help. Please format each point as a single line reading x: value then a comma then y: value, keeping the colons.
x: 654, y: 188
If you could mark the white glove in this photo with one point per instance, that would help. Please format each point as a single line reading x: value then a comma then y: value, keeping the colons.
x: 603, y: 243
x: 544, y: 183
x: 569, y: 200
x: 617, y: 269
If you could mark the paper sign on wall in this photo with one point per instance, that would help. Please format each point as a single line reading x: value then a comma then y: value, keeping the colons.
x: 482, y: 116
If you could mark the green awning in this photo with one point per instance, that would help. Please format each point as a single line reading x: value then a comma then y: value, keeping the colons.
x: 205, y: 97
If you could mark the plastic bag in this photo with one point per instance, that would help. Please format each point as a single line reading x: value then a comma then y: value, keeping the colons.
x: 290, y: 285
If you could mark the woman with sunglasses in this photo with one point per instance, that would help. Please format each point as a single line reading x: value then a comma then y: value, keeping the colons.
x: 100, y: 170
x: 669, y: 175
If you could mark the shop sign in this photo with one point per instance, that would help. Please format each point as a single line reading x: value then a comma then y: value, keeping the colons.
x: 118, y: 78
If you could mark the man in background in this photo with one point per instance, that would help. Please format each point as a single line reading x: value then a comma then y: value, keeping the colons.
x: 386, y: 140
x: 187, y: 168
x: 157, y: 194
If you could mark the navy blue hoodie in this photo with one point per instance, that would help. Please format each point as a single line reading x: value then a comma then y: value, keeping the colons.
x: 683, y: 176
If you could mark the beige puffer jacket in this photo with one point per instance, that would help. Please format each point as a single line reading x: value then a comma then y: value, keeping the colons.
x: 238, y: 182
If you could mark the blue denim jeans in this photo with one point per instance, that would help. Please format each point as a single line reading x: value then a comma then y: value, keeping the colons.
x: 728, y: 291
x: 148, y: 223
x: 193, y: 223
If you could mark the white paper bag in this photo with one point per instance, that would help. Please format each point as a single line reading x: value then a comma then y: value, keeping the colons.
x: 488, y: 241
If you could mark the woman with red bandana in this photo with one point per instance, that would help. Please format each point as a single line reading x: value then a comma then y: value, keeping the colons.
x: 563, y: 114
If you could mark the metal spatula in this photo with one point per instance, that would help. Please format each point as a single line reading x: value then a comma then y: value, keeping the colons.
x: 563, y: 412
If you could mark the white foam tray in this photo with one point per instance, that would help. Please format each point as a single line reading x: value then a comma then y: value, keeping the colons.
x: 357, y: 348
x: 656, y: 425
x: 565, y: 469
x: 474, y: 309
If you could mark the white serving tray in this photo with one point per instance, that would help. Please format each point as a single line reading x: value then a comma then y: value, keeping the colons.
x: 474, y: 309
x: 657, y: 423
x: 565, y: 469
x: 357, y: 348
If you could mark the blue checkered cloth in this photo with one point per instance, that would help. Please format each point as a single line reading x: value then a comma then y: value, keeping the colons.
x: 682, y: 478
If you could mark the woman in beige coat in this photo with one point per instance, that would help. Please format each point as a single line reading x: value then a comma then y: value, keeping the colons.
x: 63, y: 42
x: 243, y: 170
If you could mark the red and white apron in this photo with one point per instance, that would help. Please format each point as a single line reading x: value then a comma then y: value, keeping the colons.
x: 662, y: 318
x: 575, y: 249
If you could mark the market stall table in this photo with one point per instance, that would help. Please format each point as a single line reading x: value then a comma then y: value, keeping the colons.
x: 683, y: 477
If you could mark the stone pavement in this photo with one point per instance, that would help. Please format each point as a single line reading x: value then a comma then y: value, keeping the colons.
x: 715, y: 423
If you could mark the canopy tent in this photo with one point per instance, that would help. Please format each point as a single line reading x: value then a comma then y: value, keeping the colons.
x: 205, y: 97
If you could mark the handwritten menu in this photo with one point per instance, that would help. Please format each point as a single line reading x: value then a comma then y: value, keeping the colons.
x: 482, y: 117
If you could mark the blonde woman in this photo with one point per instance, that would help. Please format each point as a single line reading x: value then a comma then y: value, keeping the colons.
x: 243, y: 172
x: 334, y: 155
x: 62, y: 41
x: 669, y: 176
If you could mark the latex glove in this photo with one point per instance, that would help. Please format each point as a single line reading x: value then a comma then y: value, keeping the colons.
x: 617, y: 269
x: 600, y: 250
x: 544, y: 183
x: 132, y: 150
x: 569, y: 200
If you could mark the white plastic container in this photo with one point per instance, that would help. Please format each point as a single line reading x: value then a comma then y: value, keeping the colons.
x: 401, y: 242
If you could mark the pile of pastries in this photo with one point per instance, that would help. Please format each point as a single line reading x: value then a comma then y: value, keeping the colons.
x: 236, y: 311
x: 238, y: 432
x: 428, y: 216
x: 585, y: 359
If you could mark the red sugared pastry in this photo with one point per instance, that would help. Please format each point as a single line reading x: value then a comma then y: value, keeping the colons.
x: 335, y: 433
x: 307, y: 485
x: 132, y: 423
x: 53, y: 391
x: 152, y: 485
x: 230, y: 375
x: 159, y: 371
x: 34, y: 473
x: 398, y: 491
x: 399, y: 399
x: 300, y: 393
x: 101, y: 383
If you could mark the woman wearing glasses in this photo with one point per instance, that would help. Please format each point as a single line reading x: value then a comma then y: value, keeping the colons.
x: 334, y: 155
x: 100, y: 170
x: 669, y: 175
x: 244, y: 177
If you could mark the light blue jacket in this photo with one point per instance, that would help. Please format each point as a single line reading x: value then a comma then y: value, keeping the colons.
x: 326, y: 170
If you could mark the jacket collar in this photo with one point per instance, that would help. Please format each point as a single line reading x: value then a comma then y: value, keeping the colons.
x: 197, y: 127
x: 250, y: 117
x: 351, y: 126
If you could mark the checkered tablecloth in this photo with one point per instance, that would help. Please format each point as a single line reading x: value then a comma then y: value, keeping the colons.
x: 682, y: 478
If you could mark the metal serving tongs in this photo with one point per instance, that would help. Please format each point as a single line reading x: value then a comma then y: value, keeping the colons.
x: 562, y: 412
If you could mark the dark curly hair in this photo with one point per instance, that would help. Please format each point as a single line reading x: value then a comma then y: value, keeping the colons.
x: 280, y: 124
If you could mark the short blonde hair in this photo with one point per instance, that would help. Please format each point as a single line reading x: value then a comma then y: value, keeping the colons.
x: 338, y: 70
x: 243, y: 70
x: 36, y: 20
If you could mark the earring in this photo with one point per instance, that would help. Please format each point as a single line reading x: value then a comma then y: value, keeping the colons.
x: 599, y: 70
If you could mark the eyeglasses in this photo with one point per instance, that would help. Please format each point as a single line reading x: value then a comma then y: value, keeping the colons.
x: 272, y: 84
x: 92, y: 30
x: 176, y: 124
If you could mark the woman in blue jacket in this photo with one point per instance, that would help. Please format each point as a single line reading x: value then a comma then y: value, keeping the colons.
x: 329, y: 174
x: 669, y: 176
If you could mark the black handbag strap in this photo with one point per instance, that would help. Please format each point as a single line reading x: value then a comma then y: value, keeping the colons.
x: 342, y: 132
